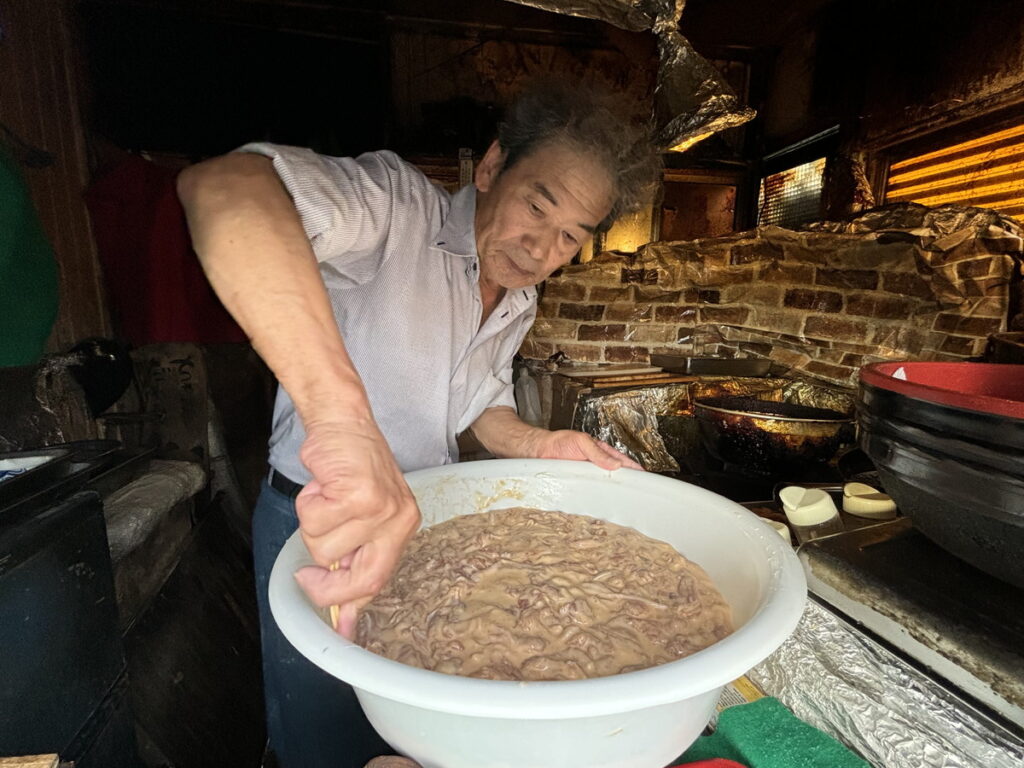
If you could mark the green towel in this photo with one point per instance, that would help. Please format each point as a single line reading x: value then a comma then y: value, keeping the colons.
x: 764, y: 734
x: 28, y: 272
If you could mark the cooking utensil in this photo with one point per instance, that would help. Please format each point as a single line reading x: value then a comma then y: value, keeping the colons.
x: 634, y: 720
x: 768, y: 437
x: 948, y: 442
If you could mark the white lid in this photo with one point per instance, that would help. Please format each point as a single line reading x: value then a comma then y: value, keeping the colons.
x: 864, y: 501
x: 807, y: 506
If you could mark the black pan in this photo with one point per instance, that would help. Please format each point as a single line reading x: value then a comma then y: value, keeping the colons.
x: 771, y: 438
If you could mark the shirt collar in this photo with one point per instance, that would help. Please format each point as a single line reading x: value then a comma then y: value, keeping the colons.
x: 457, y: 235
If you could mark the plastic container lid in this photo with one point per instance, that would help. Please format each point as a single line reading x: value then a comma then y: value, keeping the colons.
x: 807, y: 506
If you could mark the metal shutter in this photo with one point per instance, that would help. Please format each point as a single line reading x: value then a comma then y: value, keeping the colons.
x: 987, y: 172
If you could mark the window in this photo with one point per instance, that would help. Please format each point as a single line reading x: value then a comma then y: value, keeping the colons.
x: 987, y: 172
x: 791, y: 197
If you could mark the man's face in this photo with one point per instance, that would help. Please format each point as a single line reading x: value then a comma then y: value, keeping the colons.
x: 533, y: 218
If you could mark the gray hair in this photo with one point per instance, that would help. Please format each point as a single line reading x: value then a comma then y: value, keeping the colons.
x: 593, y: 123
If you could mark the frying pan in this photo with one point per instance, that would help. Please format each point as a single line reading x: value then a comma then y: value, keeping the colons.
x: 767, y: 437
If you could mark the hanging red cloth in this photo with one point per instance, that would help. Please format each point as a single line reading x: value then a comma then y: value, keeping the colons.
x: 156, y: 287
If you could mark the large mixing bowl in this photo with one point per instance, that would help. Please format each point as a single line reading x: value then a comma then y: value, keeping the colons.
x: 641, y: 719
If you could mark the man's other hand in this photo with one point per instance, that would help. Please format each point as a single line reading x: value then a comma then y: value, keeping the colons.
x: 357, y: 512
x: 503, y: 433
x: 578, y: 446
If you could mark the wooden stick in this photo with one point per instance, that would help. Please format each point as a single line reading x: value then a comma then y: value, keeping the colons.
x: 335, y: 610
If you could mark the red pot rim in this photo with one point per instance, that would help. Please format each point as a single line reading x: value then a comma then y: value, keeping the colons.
x: 993, y: 388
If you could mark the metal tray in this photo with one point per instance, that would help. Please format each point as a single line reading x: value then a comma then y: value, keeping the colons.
x: 712, y: 366
x: 54, y: 460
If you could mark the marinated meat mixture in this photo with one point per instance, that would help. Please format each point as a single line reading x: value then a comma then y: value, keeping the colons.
x: 528, y: 594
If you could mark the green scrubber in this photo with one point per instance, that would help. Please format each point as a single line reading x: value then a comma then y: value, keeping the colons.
x: 764, y: 734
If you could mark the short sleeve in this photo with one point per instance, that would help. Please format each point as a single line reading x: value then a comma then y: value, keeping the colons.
x: 347, y: 205
x: 505, y: 394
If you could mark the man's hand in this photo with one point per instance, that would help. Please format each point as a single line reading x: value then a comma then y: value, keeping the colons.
x: 578, y: 446
x: 357, y: 512
x: 503, y: 433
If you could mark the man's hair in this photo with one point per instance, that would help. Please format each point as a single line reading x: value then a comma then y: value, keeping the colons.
x: 594, y: 124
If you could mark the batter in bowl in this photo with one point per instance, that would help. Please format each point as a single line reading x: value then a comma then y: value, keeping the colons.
x: 528, y: 594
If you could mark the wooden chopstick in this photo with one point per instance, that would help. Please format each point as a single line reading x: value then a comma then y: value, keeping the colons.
x: 335, y: 610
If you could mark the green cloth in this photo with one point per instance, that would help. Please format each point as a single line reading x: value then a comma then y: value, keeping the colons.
x: 764, y: 734
x: 28, y: 272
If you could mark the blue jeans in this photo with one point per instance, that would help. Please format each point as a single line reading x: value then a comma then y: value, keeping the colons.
x: 313, y: 720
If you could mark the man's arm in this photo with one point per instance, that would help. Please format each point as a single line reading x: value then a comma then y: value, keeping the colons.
x: 503, y: 433
x: 358, y: 510
x: 254, y: 250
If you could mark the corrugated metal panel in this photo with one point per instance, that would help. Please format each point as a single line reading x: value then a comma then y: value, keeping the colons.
x: 791, y: 197
x: 987, y: 172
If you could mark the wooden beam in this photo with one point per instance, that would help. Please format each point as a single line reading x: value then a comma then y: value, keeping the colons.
x: 30, y: 761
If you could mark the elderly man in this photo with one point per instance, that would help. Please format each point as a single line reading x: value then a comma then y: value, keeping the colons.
x: 390, y: 312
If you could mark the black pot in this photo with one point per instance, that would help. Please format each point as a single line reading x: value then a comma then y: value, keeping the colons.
x: 957, y: 472
x: 770, y: 438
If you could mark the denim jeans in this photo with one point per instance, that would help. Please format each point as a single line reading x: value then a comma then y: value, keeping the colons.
x: 313, y: 720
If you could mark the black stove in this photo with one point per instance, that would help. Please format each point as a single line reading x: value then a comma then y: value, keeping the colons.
x: 63, y: 663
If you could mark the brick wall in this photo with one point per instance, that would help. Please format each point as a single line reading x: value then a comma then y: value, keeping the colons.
x: 902, y: 283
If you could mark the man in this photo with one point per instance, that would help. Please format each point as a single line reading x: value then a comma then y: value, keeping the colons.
x: 390, y: 312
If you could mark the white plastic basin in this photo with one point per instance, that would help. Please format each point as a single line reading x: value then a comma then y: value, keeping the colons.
x: 641, y: 719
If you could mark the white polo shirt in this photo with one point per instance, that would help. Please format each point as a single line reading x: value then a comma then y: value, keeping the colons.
x: 398, y: 257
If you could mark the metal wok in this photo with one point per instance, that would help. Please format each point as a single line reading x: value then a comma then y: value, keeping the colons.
x: 770, y: 438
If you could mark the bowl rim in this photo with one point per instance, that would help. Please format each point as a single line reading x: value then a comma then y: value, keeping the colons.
x: 882, y: 376
x: 773, y: 621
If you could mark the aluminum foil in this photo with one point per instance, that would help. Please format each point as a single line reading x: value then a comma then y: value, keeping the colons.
x: 634, y: 15
x: 628, y: 421
x: 843, y: 682
x: 813, y: 394
x: 692, y: 101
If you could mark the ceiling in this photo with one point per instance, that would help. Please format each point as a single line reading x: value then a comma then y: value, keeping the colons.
x: 709, y: 24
